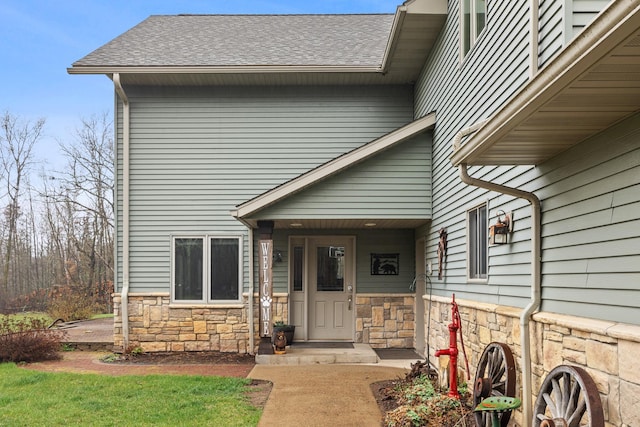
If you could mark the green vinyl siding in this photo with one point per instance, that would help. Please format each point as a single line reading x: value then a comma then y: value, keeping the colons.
x: 551, y: 37
x: 393, y: 184
x: 591, y: 227
x: 580, y: 13
x: 462, y: 94
x: 561, y: 21
x: 196, y: 153
x: 590, y: 194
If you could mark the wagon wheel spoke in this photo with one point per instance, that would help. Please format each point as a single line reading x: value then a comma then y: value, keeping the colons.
x: 569, y: 394
x: 495, y: 376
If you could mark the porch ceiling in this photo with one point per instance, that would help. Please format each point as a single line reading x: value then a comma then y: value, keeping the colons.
x: 342, y: 224
x: 591, y: 85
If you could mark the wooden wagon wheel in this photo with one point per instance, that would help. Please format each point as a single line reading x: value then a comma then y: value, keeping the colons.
x: 495, y: 376
x: 568, y: 397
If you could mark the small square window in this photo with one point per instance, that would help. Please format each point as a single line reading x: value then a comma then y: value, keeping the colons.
x: 472, y: 21
x: 477, y: 243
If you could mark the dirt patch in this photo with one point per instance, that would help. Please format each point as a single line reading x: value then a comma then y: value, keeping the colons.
x: 184, y: 358
x: 258, y: 393
x: 383, y: 391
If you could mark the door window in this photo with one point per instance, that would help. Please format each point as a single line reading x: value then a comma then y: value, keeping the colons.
x: 330, y: 269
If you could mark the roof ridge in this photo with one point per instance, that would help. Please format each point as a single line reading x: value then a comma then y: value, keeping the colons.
x: 279, y: 14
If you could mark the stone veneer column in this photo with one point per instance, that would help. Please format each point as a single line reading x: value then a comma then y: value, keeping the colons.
x: 385, y: 320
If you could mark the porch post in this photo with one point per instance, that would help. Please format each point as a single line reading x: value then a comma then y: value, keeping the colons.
x: 265, y: 257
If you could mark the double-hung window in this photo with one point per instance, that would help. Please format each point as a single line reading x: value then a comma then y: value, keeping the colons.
x: 206, y: 269
x: 473, y: 19
x: 477, y: 243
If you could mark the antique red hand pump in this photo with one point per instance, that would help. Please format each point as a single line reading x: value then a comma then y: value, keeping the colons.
x: 452, y: 351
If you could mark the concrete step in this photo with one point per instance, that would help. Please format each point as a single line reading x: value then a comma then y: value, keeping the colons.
x: 360, y: 353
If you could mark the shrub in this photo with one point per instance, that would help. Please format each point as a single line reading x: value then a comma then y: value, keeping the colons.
x: 71, y: 303
x: 28, y: 340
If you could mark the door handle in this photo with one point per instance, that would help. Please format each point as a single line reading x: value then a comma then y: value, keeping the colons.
x: 350, y: 299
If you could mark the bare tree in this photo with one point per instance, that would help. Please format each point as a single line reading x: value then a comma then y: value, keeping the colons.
x: 17, y: 139
x: 86, y: 187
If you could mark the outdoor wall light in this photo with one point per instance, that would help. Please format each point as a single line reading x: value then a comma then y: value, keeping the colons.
x: 277, y: 255
x: 499, y: 232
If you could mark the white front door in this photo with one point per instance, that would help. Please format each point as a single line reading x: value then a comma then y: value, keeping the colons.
x: 331, y: 288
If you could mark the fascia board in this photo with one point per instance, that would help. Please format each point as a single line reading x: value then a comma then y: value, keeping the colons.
x: 258, y: 69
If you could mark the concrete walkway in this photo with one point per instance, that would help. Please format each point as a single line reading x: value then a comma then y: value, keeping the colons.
x: 323, y: 395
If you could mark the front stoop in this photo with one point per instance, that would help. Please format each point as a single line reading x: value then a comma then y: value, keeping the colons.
x: 360, y: 353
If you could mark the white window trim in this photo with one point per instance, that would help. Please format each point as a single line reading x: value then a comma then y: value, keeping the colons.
x: 206, y: 279
x: 486, y: 242
x: 474, y: 36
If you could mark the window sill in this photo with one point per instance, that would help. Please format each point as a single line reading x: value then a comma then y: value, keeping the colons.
x: 206, y: 305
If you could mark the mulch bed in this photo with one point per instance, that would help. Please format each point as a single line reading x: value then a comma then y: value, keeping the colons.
x: 186, y: 358
x: 388, y: 398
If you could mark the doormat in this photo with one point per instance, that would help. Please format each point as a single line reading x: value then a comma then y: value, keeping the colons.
x: 397, y: 353
x: 322, y: 345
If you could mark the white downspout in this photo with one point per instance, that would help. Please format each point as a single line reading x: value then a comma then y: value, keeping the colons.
x: 124, y: 296
x: 250, y: 299
x: 534, y: 303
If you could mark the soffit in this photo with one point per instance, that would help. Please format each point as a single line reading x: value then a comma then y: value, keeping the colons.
x: 343, y: 224
x: 592, y: 84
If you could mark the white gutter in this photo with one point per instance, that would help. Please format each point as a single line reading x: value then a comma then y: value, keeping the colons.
x: 534, y: 303
x: 250, y: 299
x: 223, y: 69
x: 124, y: 296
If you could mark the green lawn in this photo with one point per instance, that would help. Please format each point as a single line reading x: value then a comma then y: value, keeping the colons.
x: 32, y: 398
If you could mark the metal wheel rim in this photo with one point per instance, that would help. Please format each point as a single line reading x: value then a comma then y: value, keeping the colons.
x: 568, y: 395
x: 497, y: 368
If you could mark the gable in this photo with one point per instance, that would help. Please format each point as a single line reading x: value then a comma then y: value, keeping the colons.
x: 245, y: 211
x: 392, y: 189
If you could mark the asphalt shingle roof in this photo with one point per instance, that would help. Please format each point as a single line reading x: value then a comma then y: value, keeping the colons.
x: 248, y: 40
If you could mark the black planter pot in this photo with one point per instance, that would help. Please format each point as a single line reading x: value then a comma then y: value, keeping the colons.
x: 288, y: 330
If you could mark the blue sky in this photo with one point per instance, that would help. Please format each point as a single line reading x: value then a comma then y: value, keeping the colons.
x: 40, y: 39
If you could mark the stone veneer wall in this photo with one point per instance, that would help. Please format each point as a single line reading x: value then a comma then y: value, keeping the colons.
x: 155, y: 325
x: 385, y: 320
x: 610, y: 352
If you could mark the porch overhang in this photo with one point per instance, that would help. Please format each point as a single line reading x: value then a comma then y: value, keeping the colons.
x: 591, y: 85
x: 247, y: 211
